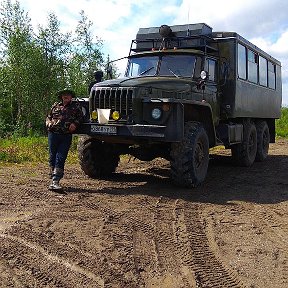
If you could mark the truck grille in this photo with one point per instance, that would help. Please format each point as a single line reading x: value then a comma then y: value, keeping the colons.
x: 117, y: 99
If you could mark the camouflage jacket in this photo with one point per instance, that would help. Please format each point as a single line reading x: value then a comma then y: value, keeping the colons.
x: 60, y: 117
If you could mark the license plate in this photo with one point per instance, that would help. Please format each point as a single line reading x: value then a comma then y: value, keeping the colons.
x: 104, y: 129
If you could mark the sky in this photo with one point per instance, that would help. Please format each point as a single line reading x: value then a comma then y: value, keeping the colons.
x: 116, y: 22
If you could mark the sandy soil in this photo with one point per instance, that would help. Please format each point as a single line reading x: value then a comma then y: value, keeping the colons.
x: 138, y: 230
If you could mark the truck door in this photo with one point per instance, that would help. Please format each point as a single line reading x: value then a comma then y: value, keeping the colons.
x: 211, y: 89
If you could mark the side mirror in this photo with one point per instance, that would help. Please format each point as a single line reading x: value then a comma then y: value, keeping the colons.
x: 203, y: 78
x: 204, y: 75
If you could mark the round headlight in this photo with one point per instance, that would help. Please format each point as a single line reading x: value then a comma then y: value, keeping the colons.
x: 156, y: 113
x: 94, y: 115
x: 115, y: 115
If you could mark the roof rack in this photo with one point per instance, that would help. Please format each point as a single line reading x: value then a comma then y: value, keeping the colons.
x: 195, y: 36
x: 192, y: 42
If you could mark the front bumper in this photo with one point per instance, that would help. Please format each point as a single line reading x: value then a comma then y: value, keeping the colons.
x: 116, y: 130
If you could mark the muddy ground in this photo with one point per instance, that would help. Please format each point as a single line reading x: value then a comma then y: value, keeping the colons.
x: 138, y: 230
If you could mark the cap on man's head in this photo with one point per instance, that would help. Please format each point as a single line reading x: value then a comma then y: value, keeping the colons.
x: 66, y: 92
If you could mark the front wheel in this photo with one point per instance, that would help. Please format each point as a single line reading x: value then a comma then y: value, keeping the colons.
x: 190, y: 157
x: 97, y: 158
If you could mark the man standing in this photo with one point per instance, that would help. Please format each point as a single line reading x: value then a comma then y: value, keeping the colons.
x: 62, y: 120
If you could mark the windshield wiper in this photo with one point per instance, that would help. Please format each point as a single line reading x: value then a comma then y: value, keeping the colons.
x: 173, y: 72
x: 145, y: 71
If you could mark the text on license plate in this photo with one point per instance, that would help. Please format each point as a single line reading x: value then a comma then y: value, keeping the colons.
x: 103, y: 129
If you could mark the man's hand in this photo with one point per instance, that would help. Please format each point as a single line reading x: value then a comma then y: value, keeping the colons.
x: 72, y: 128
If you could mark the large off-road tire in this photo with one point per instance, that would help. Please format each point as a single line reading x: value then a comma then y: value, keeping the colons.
x: 244, y: 153
x: 190, y: 157
x: 263, y: 140
x: 97, y: 159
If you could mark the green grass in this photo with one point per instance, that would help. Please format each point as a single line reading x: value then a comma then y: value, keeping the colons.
x: 30, y: 149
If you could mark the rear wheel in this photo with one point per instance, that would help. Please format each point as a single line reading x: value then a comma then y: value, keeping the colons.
x: 263, y: 140
x: 97, y: 159
x: 190, y: 157
x: 244, y: 153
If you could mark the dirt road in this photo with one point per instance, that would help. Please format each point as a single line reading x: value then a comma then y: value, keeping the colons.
x: 138, y: 230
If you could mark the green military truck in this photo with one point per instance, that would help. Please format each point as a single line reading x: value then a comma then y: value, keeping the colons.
x: 186, y: 89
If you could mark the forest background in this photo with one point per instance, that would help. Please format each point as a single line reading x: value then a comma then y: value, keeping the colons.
x: 36, y: 63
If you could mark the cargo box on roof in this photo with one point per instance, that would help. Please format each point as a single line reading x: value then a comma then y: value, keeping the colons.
x: 182, y: 36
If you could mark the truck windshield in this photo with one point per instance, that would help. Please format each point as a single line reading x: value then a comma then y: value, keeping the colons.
x: 166, y: 65
x: 142, y: 66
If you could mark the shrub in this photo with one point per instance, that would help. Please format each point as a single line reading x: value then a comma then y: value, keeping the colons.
x: 282, y: 123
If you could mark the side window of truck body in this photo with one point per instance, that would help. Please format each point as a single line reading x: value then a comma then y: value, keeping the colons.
x: 252, y: 66
x: 242, y: 71
x: 263, y: 72
x: 271, y: 75
x: 255, y: 68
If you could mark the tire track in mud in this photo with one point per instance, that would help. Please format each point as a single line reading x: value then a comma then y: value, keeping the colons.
x: 262, y: 245
x: 167, y: 247
x: 55, y: 250
x: 50, y: 270
x: 153, y: 244
x: 275, y: 220
x: 16, y: 258
x: 144, y: 238
x: 170, y: 245
x: 195, y: 252
x: 164, y: 235
x: 112, y: 269
x: 118, y: 266
x: 277, y: 225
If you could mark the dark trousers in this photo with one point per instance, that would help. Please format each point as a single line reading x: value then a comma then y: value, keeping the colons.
x: 59, y: 145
